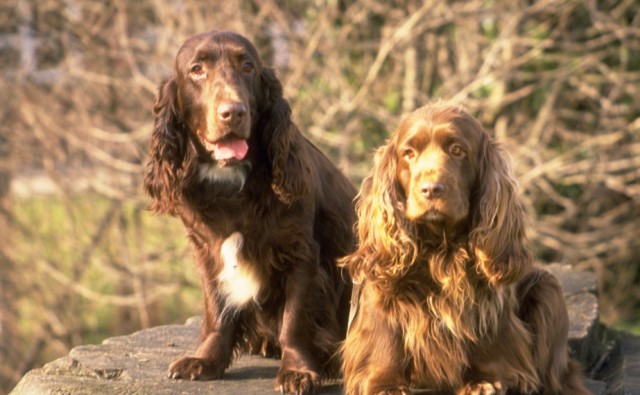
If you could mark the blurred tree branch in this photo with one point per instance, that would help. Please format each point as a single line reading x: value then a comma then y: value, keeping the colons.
x: 556, y: 81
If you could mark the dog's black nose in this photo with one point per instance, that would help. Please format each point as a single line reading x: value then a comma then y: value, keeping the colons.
x: 431, y: 190
x: 231, y: 112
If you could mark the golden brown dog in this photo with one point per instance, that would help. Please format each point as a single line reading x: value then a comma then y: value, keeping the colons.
x: 448, y: 298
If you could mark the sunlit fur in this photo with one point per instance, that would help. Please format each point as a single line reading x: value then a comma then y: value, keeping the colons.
x: 453, y: 306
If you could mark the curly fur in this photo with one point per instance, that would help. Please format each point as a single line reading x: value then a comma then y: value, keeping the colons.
x: 271, y: 223
x: 448, y: 298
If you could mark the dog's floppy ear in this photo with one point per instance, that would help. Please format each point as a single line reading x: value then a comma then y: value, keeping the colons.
x: 497, y: 236
x: 283, y: 141
x: 167, y: 151
x: 387, y: 248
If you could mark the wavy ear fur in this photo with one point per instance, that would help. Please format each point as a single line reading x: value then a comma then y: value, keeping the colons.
x: 167, y: 151
x: 387, y: 248
x: 284, y: 143
x: 497, y: 238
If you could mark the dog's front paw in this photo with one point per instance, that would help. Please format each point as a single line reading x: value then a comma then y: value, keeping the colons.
x: 387, y: 383
x: 394, y: 391
x: 191, y: 368
x: 297, y: 382
x: 482, y: 388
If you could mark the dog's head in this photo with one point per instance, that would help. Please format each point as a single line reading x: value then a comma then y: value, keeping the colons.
x: 440, y: 178
x: 220, y: 114
x: 217, y: 76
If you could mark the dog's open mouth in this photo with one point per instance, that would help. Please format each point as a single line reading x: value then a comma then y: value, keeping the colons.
x: 228, y: 149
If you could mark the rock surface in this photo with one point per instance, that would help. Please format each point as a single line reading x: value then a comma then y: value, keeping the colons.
x: 580, y: 292
x: 137, y: 363
x: 623, y: 372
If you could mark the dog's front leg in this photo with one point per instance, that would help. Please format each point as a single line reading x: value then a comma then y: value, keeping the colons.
x: 374, y: 362
x: 212, y: 357
x: 299, y: 370
x: 218, y: 336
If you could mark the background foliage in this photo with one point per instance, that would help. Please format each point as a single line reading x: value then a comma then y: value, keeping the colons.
x: 557, y: 81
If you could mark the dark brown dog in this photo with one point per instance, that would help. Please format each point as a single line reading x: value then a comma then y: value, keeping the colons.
x: 448, y: 296
x: 267, y: 213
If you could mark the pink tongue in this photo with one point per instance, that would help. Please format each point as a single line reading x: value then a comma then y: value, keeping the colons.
x: 232, y: 148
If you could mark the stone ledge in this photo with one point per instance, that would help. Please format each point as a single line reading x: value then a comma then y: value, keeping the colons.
x: 585, y: 330
x: 623, y: 370
x: 137, y: 363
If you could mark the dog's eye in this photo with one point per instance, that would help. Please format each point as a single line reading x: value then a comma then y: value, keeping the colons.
x: 197, y: 69
x: 247, y: 67
x: 456, y: 151
x: 408, y: 153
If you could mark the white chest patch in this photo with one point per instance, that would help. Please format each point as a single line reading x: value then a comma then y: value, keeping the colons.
x: 237, y: 279
x: 211, y: 172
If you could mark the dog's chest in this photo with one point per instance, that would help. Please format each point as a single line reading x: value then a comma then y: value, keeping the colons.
x: 238, y: 279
